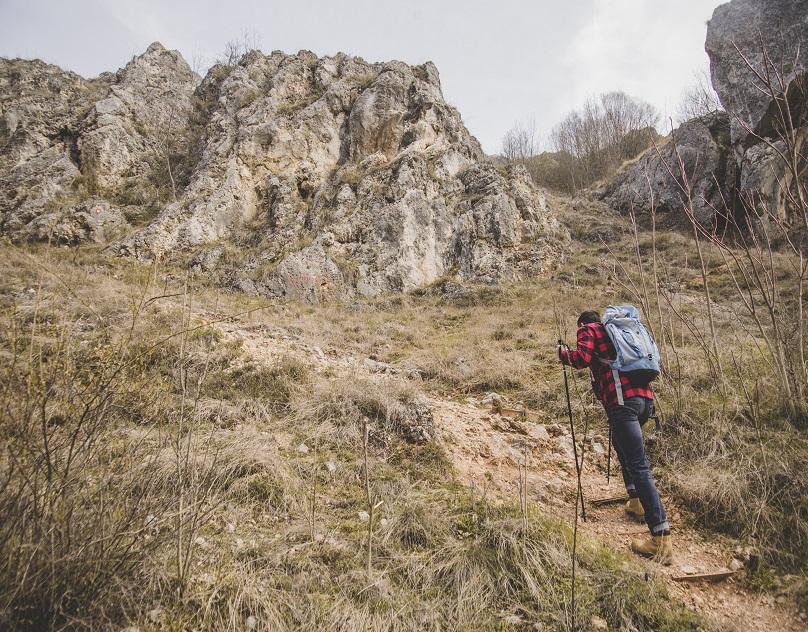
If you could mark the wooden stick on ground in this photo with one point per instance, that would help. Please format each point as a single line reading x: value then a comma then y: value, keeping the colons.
x: 707, y: 577
x: 613, y: 500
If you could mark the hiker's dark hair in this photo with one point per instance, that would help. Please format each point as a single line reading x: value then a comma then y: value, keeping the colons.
x: 588, y: 317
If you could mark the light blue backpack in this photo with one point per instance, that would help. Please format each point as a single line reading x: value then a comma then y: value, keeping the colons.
x: 637, y: 353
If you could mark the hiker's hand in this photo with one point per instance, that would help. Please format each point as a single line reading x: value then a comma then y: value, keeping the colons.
x: 562, y: 354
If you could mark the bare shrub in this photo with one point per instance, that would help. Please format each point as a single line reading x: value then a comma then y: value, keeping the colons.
x: 75, y: 506
x: 519, y: 142
x: 235, y: 49
x: 699, y: 99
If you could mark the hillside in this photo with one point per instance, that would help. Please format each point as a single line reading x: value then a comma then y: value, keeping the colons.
x: 229, y: 434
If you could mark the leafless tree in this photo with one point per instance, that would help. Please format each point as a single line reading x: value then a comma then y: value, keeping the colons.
x: 519, y: 143
x: 235, y: 49
x: 603, y: 133
x: 699, y: 99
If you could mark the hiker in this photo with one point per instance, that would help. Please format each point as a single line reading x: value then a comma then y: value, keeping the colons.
x: 594, y: 350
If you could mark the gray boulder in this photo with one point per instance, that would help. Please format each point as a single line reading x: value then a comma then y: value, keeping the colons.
x: 747, y: 40
x: 414, y: 420
x: 702, y: 147
x: 749, y: 29
x: 91, y: 220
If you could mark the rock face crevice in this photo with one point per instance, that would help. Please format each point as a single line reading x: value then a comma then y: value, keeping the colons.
x: 288, y: 175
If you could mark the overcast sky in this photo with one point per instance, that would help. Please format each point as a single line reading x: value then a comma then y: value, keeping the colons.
x: 500, y: 61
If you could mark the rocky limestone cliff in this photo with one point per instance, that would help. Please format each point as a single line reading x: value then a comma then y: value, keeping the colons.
x: 283, y: 174
x: 340, y: 175
x: 69, y: 147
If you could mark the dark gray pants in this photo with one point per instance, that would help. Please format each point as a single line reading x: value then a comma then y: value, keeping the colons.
x: 626, y: 422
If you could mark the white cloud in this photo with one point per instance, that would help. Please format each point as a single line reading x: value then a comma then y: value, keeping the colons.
x: 499, y: 62
x: 649, y: 49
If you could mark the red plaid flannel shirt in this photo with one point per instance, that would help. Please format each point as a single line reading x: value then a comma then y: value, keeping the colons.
x: 594, y: 344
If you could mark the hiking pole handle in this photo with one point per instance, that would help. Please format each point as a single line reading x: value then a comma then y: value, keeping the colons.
x: 561, y: 346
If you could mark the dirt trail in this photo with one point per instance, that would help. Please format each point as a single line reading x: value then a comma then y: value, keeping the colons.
x: 487, y: 450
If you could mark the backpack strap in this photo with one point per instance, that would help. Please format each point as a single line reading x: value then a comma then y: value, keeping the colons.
x: 618, y: 386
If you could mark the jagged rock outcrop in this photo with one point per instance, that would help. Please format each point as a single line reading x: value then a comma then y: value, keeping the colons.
x: 40, y: 107
x: 282, y: 175
x: 748, y: 40
x: 66, y: 142
x: 702, y: 147
x: 333, y: 175
x: 142, y: 120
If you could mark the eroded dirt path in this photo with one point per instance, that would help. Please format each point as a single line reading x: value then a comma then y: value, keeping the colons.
x: 487, y: 449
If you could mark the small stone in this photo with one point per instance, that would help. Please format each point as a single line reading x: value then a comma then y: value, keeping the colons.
x: 565, y: 444
x: 155, y: 614
x: 231, y: 528
x: 781, y: 599
x: 200, y: 541
x: 251, y: 622
x: 599, y: 623
x: 331, y: 467
x: 375, y: 366
x: 384, y: 522
x: 303, y: 448
x: 538, y: 432
x: 597, y: 448
x: 363, y: 516
x: 735, y: 564
x: 688, y: 570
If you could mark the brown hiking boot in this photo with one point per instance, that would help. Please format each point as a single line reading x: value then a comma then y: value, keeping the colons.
x: 635, y: 510
x: 658, y: 547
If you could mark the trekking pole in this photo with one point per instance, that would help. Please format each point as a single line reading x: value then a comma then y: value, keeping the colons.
x: 578, y: 495
x: 657, y: 417
x: 574, y: 442
x: 609, y: 458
